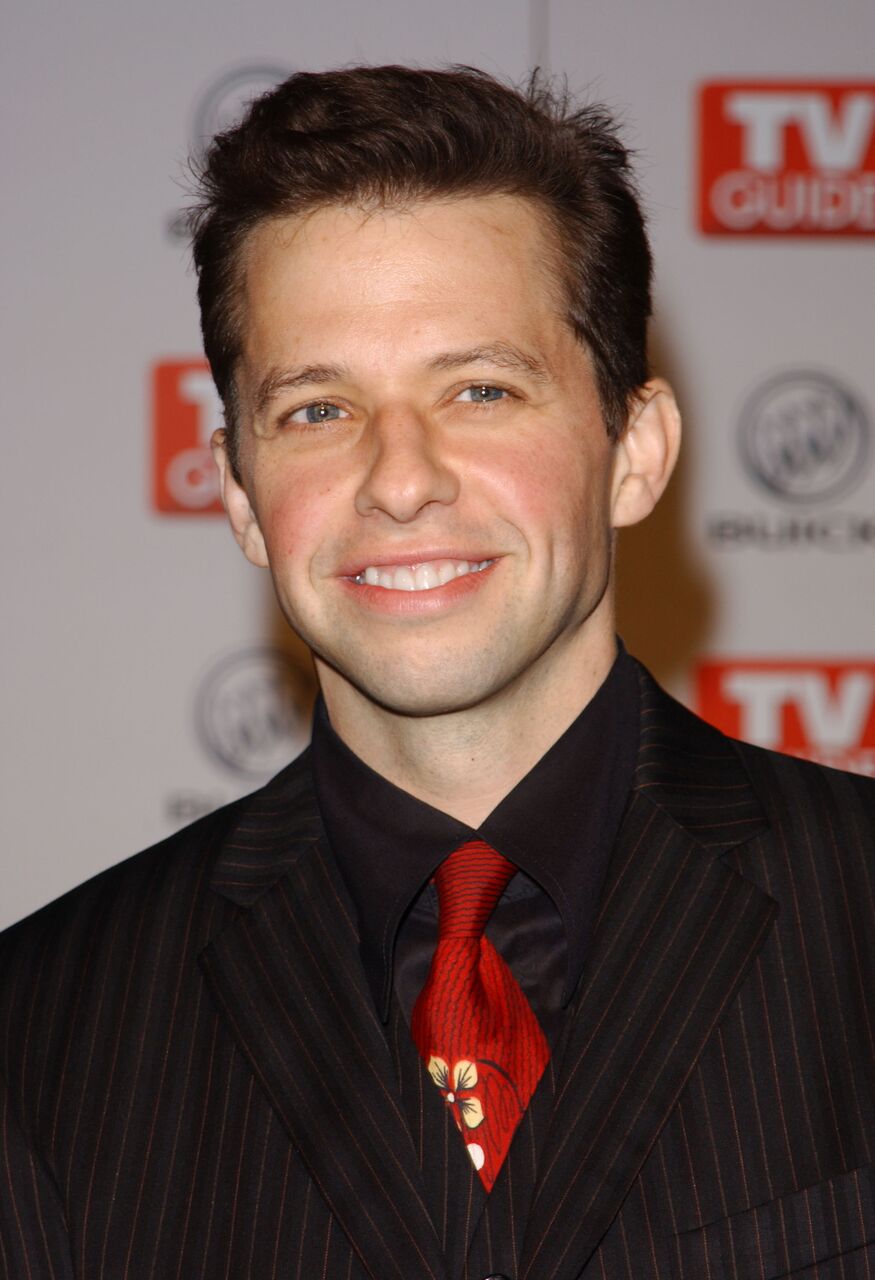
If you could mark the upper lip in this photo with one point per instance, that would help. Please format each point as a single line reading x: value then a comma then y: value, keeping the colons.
x: 410, y: 557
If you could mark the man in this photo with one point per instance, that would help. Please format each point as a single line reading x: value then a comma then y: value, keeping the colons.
x: 280, y: 1044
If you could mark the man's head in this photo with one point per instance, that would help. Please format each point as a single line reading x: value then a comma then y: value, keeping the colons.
x: 425, y: 300
x: 377, y: 137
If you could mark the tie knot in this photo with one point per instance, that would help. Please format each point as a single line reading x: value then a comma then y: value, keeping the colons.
x: 469, y: 883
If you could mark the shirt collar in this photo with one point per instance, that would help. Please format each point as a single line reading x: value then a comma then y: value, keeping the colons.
x: 557, y: 825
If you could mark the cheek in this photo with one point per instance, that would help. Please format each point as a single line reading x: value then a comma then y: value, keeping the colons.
x: 556, y: 489
x: 294, y: 513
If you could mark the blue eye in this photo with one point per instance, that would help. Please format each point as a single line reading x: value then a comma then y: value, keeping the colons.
x: 483, y: 394
x: 319, y: 411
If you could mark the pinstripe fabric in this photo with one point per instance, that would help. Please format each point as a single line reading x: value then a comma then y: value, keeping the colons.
x: 763, y: 1169
x: 195, y: 1083
x: 135, y: 1139
x: 288, y: 979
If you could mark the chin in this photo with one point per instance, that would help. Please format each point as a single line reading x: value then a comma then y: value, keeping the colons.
x: 417, y: 693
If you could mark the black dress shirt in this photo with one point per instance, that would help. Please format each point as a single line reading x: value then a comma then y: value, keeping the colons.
x: 557, y: 826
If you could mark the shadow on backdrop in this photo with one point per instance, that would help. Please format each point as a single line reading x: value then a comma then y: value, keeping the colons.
x: 665, y: 602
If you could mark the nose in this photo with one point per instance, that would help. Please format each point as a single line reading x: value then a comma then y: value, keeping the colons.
x: 407, y: 469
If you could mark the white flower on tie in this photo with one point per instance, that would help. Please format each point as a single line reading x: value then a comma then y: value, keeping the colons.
x: 457, y: 1087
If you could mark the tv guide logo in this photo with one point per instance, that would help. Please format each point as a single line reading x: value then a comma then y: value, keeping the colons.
x: 186, y: 410
x: 787, y: 158
x: 824, y: 711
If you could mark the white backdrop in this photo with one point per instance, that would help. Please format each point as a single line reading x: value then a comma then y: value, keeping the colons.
x: 146, y: 674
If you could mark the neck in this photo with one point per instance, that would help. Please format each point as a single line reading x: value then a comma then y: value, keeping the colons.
x: 465, y: 762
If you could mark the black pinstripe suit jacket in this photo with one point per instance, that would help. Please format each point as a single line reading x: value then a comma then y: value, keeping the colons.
x: 196, y: 1083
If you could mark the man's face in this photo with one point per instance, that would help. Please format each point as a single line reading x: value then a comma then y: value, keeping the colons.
x: 425, y: 465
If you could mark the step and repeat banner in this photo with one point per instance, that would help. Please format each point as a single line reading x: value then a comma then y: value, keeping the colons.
x: 147, y: 674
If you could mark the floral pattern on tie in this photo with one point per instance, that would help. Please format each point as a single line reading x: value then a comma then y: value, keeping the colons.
x: 457, y: 1087
x: 468, y: 1108
x: 472, y: 1024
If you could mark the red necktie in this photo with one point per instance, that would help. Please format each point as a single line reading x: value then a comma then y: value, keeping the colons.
x: 472, y: 1024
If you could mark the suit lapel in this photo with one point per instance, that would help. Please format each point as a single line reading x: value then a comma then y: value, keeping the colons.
x: 677, y: 930
x: 287, y: 978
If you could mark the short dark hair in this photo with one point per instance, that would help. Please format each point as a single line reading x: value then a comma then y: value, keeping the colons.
x: 388, y: 135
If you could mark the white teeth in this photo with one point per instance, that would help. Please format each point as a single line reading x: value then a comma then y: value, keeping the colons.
x: 418, y: 577
x: 425, y: 577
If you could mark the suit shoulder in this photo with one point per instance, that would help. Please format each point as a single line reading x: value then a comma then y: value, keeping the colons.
x: 822, y: 823
x: 730, y: 786
x: 672, y: 731
x: 173, y: 856
x: 806, y: 782
x: 102, y: 955
x: 141, y: 888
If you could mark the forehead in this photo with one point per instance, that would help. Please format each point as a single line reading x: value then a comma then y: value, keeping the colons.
x: 469, y: 255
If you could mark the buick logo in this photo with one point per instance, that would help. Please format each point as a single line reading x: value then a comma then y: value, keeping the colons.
x: 227, y: 98
x: 804, y: 437
x: 252, y: 712
x: 219, y: 107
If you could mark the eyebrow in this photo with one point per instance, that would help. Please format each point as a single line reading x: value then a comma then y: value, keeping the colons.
x: 276, y: 381
x: 501, y: 354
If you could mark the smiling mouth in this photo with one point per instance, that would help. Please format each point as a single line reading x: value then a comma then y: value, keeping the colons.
x: 418, y: 577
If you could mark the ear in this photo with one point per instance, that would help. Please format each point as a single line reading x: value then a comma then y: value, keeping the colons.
x: 646, y: 454
x: 235, y: 500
